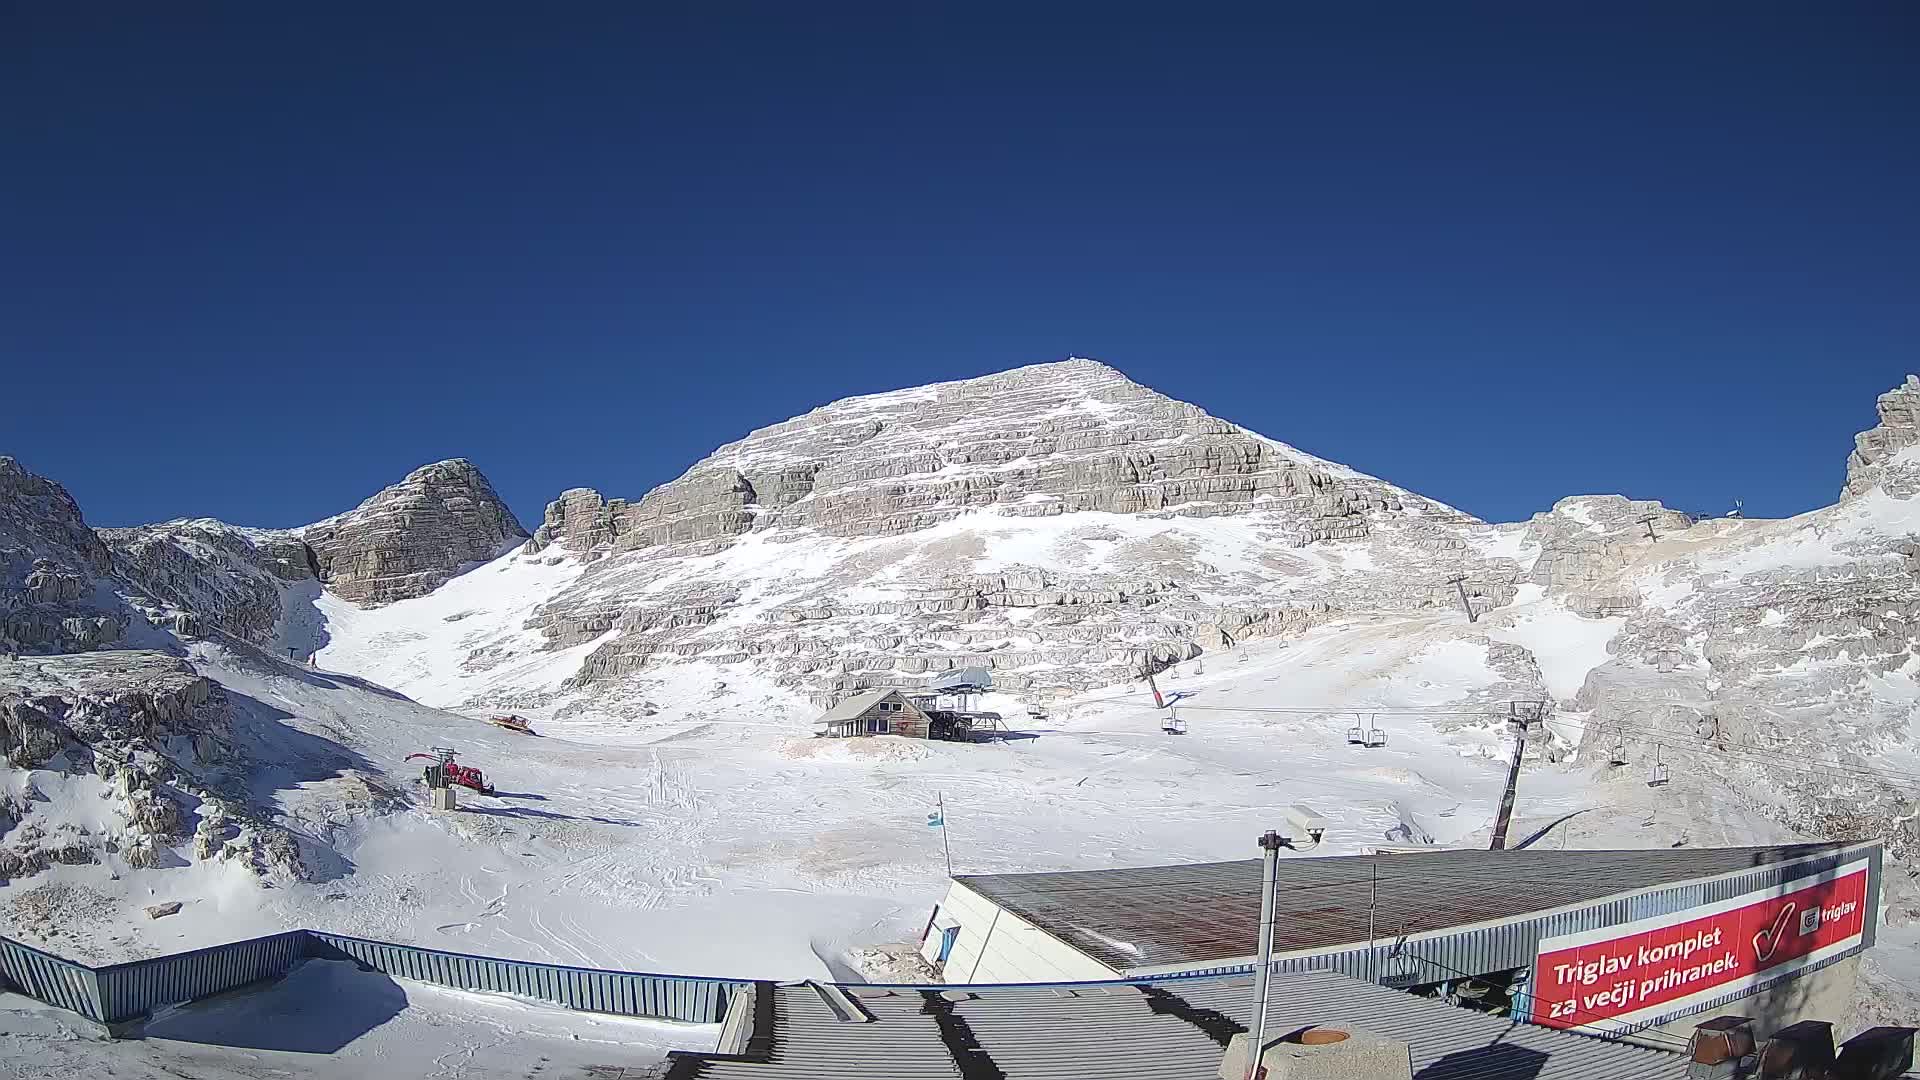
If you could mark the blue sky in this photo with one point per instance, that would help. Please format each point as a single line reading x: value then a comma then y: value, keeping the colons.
x: 256, y: 264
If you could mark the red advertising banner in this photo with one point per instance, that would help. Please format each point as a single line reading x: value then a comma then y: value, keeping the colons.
x: 1642, y: 971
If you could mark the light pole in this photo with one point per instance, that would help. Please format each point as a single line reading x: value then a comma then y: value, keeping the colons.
x: 1270, y: 846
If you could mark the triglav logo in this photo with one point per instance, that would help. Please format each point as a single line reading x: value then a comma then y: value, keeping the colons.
x: 1766, y: 942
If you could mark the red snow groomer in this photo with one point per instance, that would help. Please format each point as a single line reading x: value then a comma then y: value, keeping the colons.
x: 446, y: 772
x: 513, y: 723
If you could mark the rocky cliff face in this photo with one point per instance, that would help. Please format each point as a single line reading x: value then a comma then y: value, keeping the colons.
x: 410, y: 538
x: 1158, y: 531
x: 51, y: 563
x: 1752, y: 643
x: 1877, y: 460
x: 198, y: 576
x: 1037, y: 441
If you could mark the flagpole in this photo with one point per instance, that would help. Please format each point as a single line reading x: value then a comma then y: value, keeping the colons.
x: 944, y: 847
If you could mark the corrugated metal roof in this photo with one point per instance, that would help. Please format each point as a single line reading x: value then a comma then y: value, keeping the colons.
x: 1203, y: 913
x: 1174, y: 1029
x: 970, y: 678
x: 852, y: 707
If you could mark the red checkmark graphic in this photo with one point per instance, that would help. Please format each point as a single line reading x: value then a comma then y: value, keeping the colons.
x: 1767, y: 942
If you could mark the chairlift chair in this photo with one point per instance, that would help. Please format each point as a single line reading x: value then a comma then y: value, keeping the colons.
x: 1618, y: 755
x: 1376, y: 738
x: 1174, y: 725
x: 1357, y: 736
x: 1657, y: 775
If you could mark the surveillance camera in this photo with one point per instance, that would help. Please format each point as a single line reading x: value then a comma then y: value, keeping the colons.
x: 1303, y: 818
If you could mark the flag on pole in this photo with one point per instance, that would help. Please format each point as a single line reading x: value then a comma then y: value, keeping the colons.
x: 937, y: 819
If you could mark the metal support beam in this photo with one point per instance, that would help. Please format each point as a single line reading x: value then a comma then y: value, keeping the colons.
x: 1520, y: 722
x: 1270, y: 846
x: 1459, y: 581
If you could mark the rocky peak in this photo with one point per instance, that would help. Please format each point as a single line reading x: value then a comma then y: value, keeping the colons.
x: 412, y: 537
x: 48, y: 561
x: 1877, y: 460
x: 1036, y: 441
x: 1058, y: 523
x: 32, y: 506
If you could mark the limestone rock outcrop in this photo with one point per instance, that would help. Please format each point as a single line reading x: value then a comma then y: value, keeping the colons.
x: 155, y: 732
x: 1172, y: 531
x: 1038, y: 441
x: 1586, y: 540
x: 1877, y: 460
x: 412, y: 537
x: 202, y: 575
x: 52, y: 598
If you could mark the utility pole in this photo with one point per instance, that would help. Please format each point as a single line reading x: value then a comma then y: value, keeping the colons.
x: 1270, y: 846
x: 1373, y: 905
x: 1459, y: 581
x: 1648, y: 522
x: 1520, y: 724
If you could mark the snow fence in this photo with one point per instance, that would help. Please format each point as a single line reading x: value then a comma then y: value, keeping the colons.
x: 49, y: 978
x: 119, y: 993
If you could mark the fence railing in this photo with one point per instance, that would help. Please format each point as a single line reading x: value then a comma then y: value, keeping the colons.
x: 624, y: 993
x: 49, y: 978
x: 119, y: 993
x: 136, y: 988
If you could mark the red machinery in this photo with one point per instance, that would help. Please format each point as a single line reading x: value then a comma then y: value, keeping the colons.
x: 445, y: 771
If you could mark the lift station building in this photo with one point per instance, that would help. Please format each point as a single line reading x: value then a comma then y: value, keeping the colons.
x: 1613, y: 942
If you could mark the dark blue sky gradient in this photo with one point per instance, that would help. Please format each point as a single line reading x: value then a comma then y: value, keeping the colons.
x: 257, y: 263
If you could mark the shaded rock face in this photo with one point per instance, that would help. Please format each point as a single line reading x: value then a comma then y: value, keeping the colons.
x: 152, y: 728
x: 49, y: 565
x: 207, y: 575
x: 412, y: 537
x: 1876, y: 460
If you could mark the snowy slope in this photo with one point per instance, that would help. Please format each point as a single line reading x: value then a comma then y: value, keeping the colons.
x: 676, y: 815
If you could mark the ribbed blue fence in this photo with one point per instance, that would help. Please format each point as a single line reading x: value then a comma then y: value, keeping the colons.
x: 136, y: 988
x: 49, y: 978
x: 624, y: 993
x: 123, y: 992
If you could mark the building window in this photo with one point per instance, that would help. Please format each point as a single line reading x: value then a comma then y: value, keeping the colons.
x: 879, y: 725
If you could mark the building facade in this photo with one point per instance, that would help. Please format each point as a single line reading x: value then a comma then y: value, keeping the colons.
x: 875, y: 712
